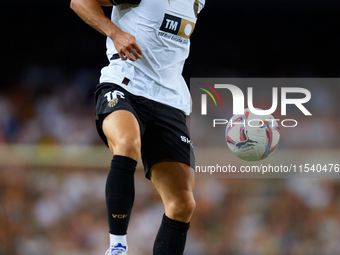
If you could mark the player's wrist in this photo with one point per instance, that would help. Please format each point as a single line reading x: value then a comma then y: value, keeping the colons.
x: 113, y: 31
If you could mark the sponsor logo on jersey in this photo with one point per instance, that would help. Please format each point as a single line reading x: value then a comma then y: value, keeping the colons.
x: 177, y: 26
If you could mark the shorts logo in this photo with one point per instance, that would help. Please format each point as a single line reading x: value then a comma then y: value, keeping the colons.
x: 112, y: 97
x: 177, y: 26
x: 113, y: 102
x: 185, y: 139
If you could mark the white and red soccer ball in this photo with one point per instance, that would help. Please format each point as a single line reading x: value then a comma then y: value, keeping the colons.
x: 252, y: 137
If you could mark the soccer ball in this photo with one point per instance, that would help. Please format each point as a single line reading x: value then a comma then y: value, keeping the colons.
x: 252, y: 137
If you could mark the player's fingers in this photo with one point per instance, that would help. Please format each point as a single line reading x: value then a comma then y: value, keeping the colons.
x: 122, y: 55
x: 138, y: 50
x: 132, y: 53
x: 130, y: 56
x: 136, y: 53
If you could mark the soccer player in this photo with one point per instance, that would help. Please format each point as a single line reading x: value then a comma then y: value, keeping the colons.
x: 141, y: 103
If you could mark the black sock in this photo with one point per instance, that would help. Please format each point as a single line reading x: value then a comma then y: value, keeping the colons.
x: 120, y: 193
x: 171, y: 237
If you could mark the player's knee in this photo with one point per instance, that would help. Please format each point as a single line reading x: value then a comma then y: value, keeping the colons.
x: 126, y: 146
x: 182, y: 209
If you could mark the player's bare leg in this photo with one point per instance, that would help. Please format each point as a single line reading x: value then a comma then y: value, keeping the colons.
x: 123, y: 135
x: 175, y: 184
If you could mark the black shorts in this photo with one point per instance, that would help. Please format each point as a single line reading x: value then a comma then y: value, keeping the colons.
x: 163, y: 129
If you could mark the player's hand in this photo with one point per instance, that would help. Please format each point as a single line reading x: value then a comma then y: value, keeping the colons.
x: 127, y: 46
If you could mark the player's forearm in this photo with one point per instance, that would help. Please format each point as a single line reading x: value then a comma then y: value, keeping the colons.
x: 91, y: 12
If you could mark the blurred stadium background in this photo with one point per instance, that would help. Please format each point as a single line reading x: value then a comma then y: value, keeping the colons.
x: 53, y: 166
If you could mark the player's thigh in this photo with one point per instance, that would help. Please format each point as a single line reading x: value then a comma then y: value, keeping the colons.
x: 122, y: 132
x: 175, y: 184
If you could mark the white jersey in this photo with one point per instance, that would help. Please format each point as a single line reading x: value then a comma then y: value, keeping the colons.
x: 162, y: 29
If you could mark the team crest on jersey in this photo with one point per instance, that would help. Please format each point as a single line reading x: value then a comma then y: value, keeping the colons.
x: 198, y: 6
